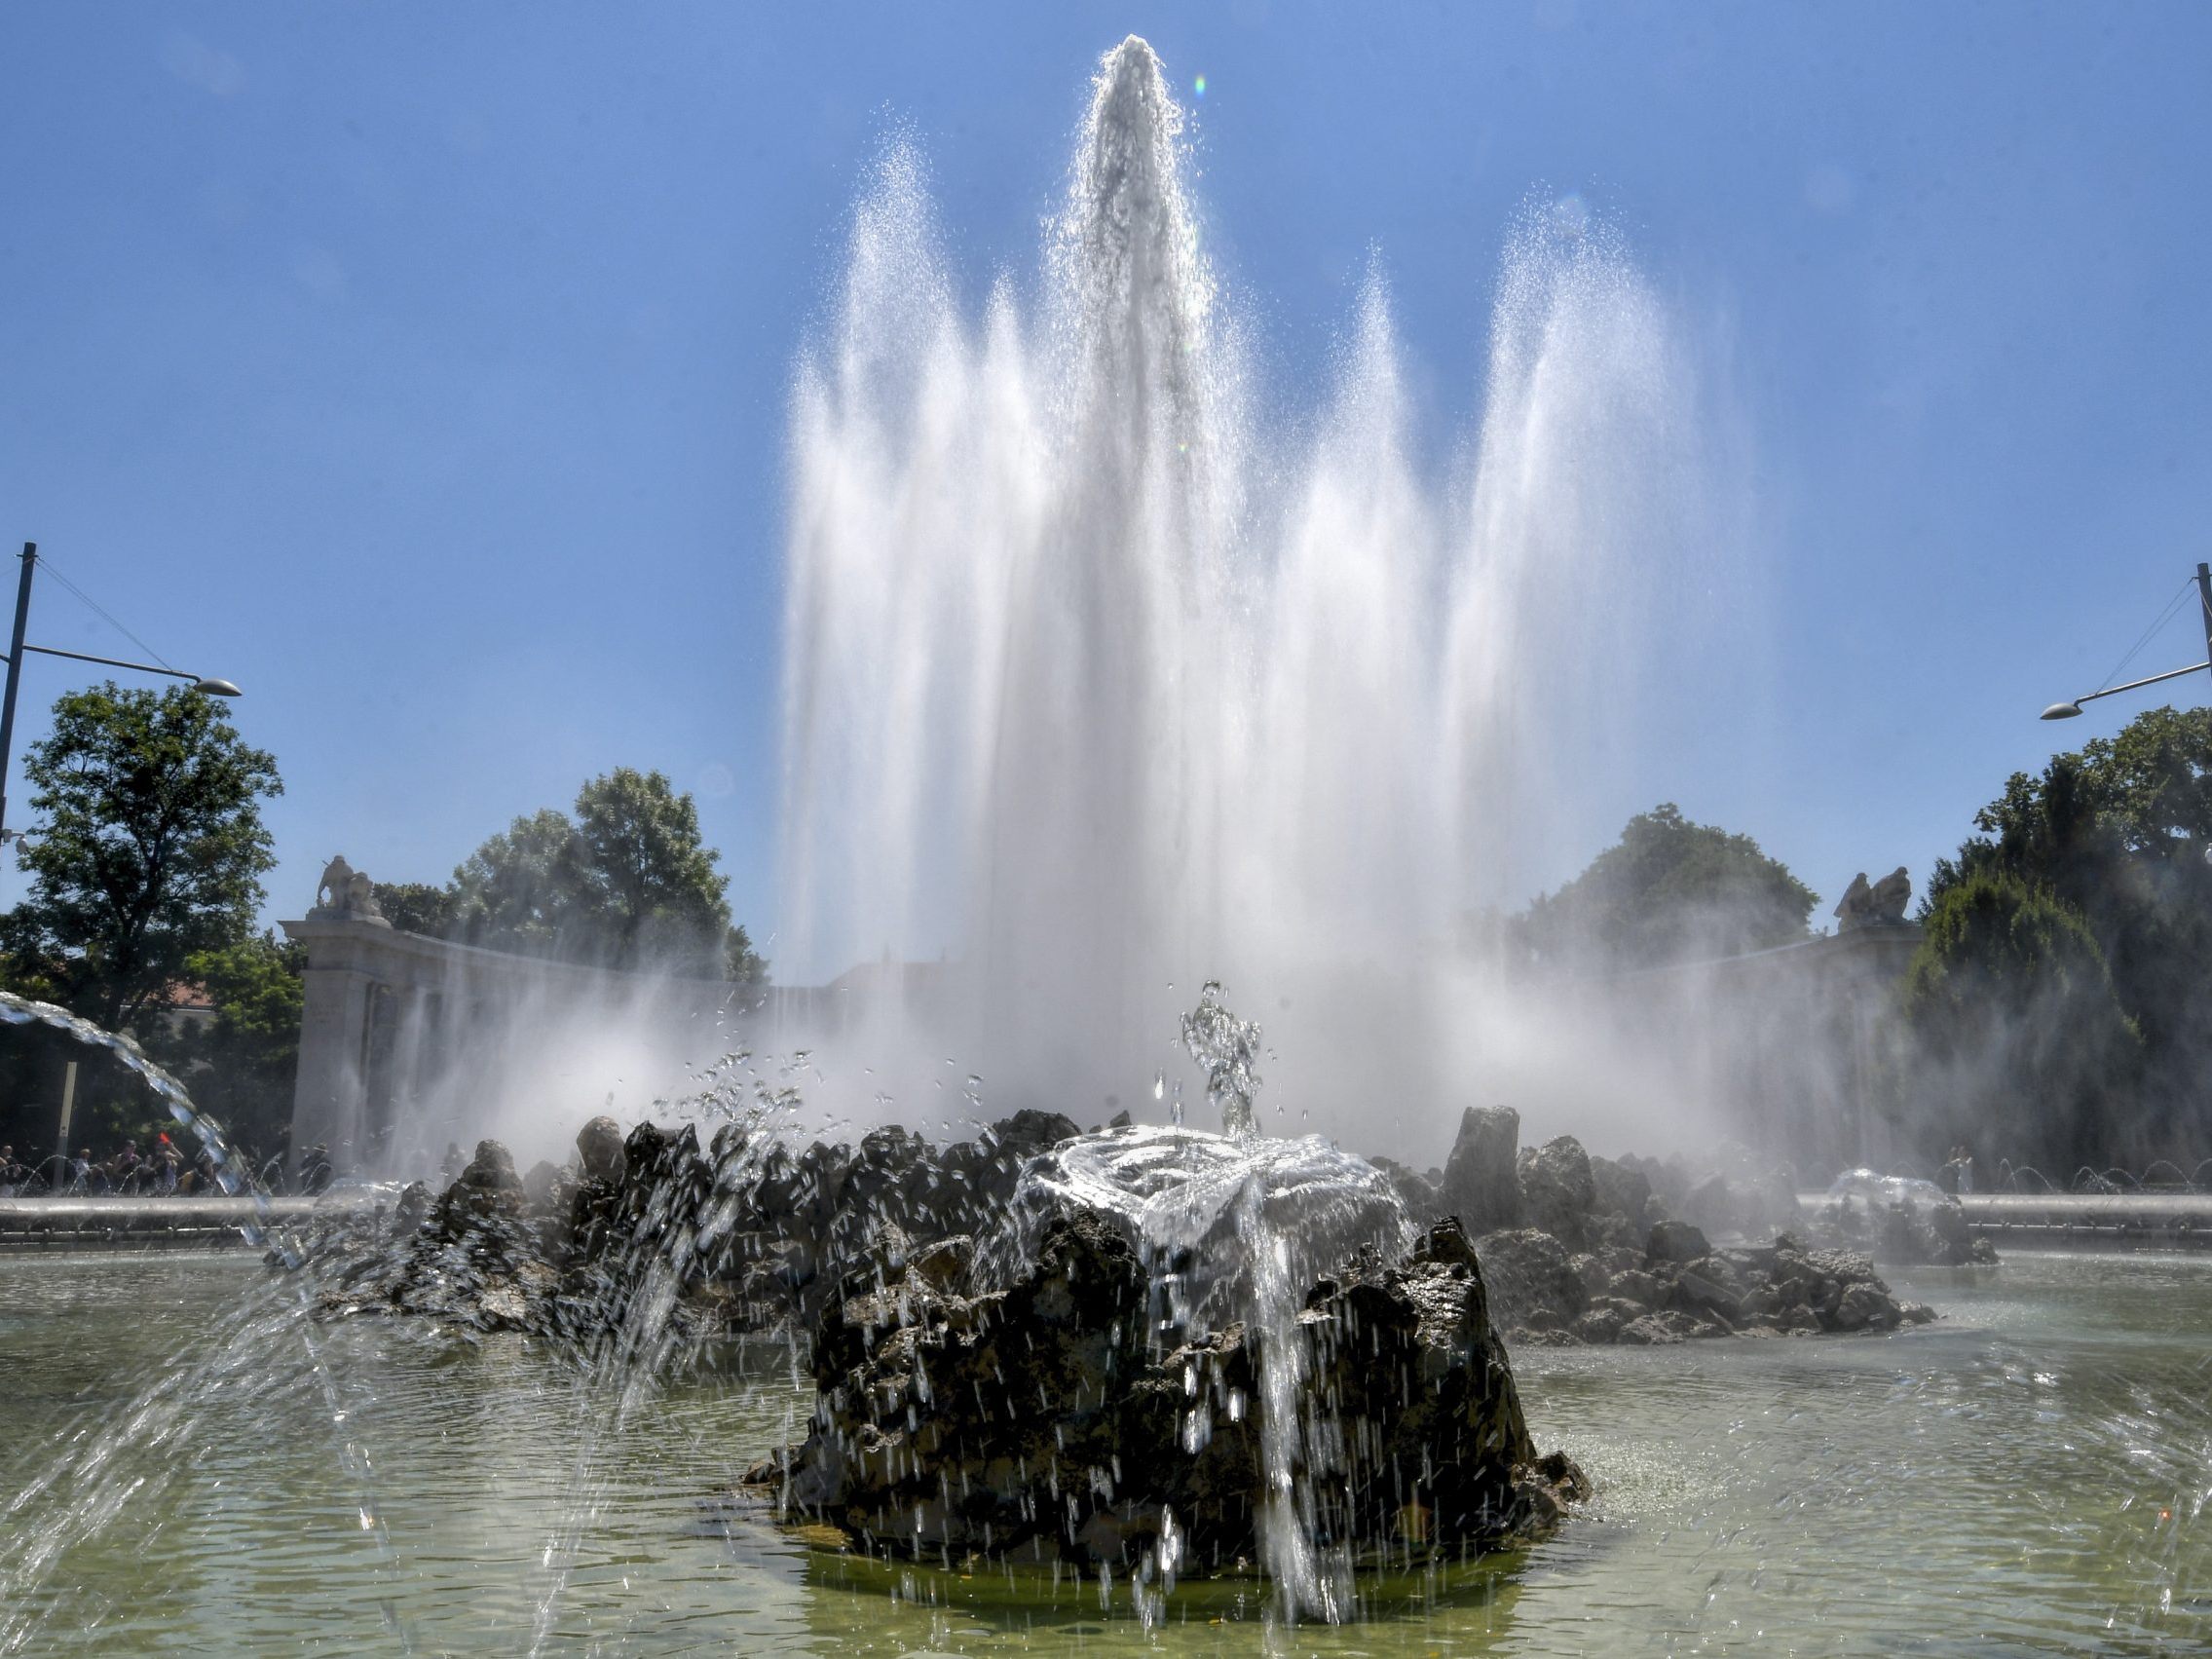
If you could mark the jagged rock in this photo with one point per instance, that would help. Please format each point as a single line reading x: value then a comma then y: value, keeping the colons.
x: 493, y: 1167
x: 1557, y: 1191
x: 1040, y: 1421
x: 547, y: 1186
x: 1592, y: 1273
x: 412, y: 1207
x: 1698, y: 1294
x: 1532, y: 1281
x: 1675, y: 1241
x: 1636, y: 1285
x: 1657, y: 1330
x: 1924, y: 1227
x: 1619, y: 1190
x: 1861, y: 1306
x: 599, y: 1150
x: 1482, y: 1181
x: 1416, y: 1192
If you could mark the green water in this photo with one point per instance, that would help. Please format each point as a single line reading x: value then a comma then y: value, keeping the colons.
x: 2029, y: 1475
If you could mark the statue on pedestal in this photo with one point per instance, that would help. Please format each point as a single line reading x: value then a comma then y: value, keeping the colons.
x: 347, y: 894
x: 1877, y: 904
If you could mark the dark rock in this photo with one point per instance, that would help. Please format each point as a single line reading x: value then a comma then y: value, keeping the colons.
x: 1482, y: 1183
x: 599, y: 1150
x: 545, y: 1186
x: 1591, y: 1272
x: 1922, y: 1230
x: 1636, y: 1286
x: 1675, y: 1241
x: 1532, y: 1280
x: 1657, y: 1330
x: 944, y: 1266
x: 412, y: 1207
x: 1040, y: 1421
x: 1862, y: 1305
x: 1557, y: 1191
x: 1619, y: 1189
x: 1697, y: 1293
x: 493, y: 1167
x: 1416, y: 1192
x: 1606, y: 1318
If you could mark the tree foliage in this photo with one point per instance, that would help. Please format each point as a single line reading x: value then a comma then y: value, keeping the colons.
x: 148, y: 847
x: 1669, y: 890
x: 625, y: 883
x: 243, y: 1063
x: 2022, y: 1040
x: 2117, y: 835
x: 416, y: 907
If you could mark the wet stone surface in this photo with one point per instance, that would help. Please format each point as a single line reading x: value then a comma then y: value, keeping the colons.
x: 1050, y: 1420
x: 1605, y: 1251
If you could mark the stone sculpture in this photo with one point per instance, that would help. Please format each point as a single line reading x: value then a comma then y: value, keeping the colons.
x: 348, y: 892
x: 1875, y: 904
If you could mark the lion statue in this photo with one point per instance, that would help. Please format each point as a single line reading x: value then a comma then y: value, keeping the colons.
x: 1867, y: 904
x: 347, y: 891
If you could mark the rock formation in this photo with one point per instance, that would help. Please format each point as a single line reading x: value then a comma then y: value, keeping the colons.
x: 1606, y: 1251
x: 1051, y: 1421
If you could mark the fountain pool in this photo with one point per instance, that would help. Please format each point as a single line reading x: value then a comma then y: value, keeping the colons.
x: 2030, y: 1472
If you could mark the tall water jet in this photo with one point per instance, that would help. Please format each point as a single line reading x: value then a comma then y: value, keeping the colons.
x: 1096, y: 681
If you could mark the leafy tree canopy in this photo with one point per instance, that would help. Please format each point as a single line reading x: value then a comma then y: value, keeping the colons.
x: 148, y: 847
x: 2118, y: 831
x: 416, y: 907
x: 625, y: 883
x: 2117, y: 835
x: 2020, y: 1029
x: 243, y: 1063
x: 1669, y: 890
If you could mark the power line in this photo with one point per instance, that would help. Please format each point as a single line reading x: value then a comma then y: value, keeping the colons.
x: 2173, y: 607
x: 48, y: 565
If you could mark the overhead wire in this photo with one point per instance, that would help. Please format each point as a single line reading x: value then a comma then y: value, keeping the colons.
x: 2165, y: 615
x: 48, y: 565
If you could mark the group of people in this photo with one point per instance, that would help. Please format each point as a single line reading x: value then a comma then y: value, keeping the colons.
x: 1958, y: 1172
x: 162, y: 1168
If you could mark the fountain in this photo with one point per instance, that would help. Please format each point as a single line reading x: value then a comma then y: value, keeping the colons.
x: 1100, y: 675
x: 1243, y: 1358
x: 1094, y: 680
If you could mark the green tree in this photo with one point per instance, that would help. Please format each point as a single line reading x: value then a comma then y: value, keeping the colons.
x: 417, y: 907
x: 245, y: 1061
x: 2118, y: 834
x: 148, y: 847
x: 2019, y: 1030
x: 649, y: 892
x: 626, y: 883
x: 740, y: 962
x: 518, y: 892
x: 1669, y: 890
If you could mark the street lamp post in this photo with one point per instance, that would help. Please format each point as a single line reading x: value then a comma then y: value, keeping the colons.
x: 2057, y: 711
x: 16, y: 650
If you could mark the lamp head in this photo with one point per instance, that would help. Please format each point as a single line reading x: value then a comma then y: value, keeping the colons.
x: 223, y: 687
x: 2062, y: 711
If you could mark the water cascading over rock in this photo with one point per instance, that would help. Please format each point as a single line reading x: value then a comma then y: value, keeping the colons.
x: 1185, y: 1352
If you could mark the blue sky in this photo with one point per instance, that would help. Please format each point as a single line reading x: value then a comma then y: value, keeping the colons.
x: 424, y: 369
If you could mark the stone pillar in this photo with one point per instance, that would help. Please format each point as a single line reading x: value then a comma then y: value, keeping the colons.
x: 328, y: 1100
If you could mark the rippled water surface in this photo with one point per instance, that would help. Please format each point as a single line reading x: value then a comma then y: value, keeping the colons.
x: 2029, y: 1474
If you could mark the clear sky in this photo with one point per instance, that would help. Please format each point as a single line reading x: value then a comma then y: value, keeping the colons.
x: 423, y: 368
